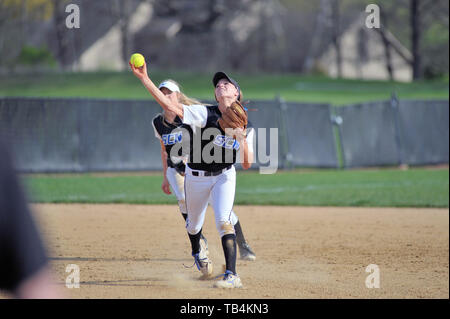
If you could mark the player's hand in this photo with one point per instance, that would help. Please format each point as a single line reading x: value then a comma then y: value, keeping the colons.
x: 140, y: 73
x: 166, y: 187
x: 239, y: 134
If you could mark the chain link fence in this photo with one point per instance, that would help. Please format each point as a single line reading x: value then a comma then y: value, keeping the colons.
x: 88, y: 135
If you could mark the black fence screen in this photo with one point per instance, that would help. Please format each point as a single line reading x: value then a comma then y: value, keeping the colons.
x: 83, y: 135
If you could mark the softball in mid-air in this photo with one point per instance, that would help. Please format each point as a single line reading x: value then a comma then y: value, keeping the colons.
x: 137, y: 60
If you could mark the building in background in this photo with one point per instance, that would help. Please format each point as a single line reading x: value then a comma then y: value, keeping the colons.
x: 364, y: 55
x: 106, y: 53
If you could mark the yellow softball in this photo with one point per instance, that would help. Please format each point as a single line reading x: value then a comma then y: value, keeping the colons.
x: 137, y: 60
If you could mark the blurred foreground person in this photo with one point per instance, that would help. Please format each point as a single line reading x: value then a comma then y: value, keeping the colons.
x: 24, y: 269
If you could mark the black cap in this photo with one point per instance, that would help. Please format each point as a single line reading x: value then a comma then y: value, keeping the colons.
x: 222, y: 75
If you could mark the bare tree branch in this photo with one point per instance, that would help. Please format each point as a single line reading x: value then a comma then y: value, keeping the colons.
x: 394, y: 44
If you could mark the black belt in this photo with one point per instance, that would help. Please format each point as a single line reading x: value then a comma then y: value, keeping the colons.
x: 180, y: 167
x: 207, y: 173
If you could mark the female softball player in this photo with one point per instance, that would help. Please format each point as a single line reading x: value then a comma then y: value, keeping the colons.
x: 165, y: 126
x: 210, y: 173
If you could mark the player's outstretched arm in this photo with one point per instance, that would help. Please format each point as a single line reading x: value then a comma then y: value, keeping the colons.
x: 166, y: 104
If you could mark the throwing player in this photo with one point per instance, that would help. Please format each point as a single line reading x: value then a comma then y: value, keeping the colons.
x: 166, y: 130
x: 210, y: 173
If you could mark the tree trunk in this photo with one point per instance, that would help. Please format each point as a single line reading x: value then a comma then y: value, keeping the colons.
x: 322, y: 24
x: 61, y: 36
x: 415, y: 38
x: 124, y: 20
x: 387, y: 56
x: 337, y: 36
x: 387, y: 47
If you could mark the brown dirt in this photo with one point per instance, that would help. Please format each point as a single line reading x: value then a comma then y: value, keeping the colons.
x: 138, y: 251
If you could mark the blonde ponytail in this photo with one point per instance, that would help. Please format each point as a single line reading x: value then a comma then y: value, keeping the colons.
x: 183, y: 98
x: 186, y: 100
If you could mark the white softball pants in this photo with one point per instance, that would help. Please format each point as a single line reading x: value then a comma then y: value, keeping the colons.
x: 219, y: 191
x: 176, y: 182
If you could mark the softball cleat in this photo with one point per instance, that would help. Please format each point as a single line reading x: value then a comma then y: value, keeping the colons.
x: 229, y: 281
x: 204, y: 264
x: 246, y: 252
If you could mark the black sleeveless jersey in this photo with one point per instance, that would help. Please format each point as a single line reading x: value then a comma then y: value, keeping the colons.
x: 170, y: 134
x: 217, y: 150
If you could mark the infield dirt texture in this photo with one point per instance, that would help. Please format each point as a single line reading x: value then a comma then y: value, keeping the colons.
x: 139, y: 251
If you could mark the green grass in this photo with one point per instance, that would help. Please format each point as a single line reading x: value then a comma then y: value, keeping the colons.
x: 292, y: 87
x: 376, y: 188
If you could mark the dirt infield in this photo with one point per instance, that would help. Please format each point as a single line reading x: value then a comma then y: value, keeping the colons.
x: 138, y: 251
